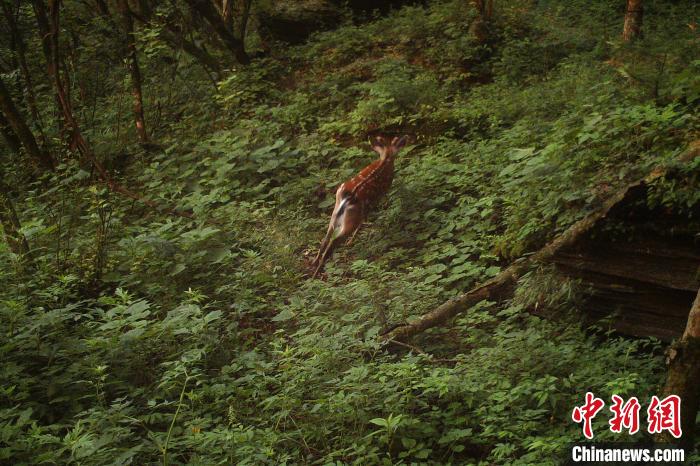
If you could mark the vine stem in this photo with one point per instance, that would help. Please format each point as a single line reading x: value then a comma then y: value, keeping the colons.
x: 172, y: 423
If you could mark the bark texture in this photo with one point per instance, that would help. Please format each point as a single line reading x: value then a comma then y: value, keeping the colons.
x: 485, y: 8
x: 502, y: 285
x: 9, y: 135
x: 209, y: 12
x: 633, y: 20
x: 21, y: 48
x: 16, y: 121
x: 42, y: 22
x: 134, y: 70
x: 245, y: 16
x: 9, y: 220
x: 479, y: 28
x: 10, y: 224
x: 78, y: 140
x: 175, y: 39
x: 170, y: 34
x: 684, y: 376
x: 227, y: 13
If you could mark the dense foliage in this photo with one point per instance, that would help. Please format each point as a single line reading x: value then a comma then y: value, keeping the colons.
x: 139, y: 336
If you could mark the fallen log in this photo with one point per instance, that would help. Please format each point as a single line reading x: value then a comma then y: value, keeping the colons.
x: 503, y: 284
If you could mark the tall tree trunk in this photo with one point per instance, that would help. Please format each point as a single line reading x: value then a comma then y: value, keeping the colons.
x: 245, y: 16
x: 42, y: 22
x: 80, y: 142
x: 684, y: 376
x: 9, y: 220
x: 485, y: 8
x: 208, y: 11
x: 19, y: 126
x: 633, y: 21
x: 479, y: 28
x: 77, y: 140
x: 12, y: 45
x: 23, y: 67
x: 227, y: 13
x: 10, y: 224
x: 113, y: 27
x: 177, y: 41
x: 134, y: 70
x: 9, y: 135
x: 145, y: 9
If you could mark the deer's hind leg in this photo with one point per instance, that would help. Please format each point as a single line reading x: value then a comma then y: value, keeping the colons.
x: 324, y: 243
x: 335, y: 229
x: 355, y: 222
x: 347, y: 220
x: 330, y: 241
x: 332, y: 224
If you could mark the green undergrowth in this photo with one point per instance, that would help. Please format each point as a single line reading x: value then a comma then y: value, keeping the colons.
x: 146, y: 337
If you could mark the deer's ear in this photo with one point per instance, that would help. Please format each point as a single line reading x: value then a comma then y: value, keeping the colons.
x: 400, y: 142
x: 378, y: 145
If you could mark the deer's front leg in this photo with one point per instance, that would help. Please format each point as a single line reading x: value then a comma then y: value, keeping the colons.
x: 352, y: 238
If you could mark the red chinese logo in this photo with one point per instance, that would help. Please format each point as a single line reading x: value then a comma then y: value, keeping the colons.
x: 661, y: 415
x: 665, y: 415
x: 626, y: 415
x: 587, y: 412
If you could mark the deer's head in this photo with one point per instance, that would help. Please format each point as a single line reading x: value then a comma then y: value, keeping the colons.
x: 388, y: 149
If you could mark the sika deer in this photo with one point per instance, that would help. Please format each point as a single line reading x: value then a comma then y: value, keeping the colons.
x: 356, y: 196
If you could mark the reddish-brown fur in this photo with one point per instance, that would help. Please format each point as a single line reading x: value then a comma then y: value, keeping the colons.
x: 354, y: 197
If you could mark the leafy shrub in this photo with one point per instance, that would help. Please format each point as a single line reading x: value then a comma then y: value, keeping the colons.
x: 142, y: 336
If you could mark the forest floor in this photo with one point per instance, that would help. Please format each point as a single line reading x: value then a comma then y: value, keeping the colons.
x: 148, y: 337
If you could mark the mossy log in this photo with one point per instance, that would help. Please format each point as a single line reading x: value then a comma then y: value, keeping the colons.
x: 502, y: 286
